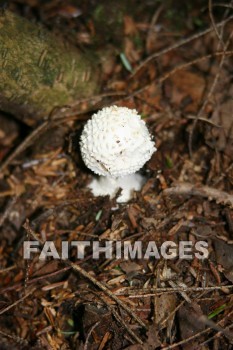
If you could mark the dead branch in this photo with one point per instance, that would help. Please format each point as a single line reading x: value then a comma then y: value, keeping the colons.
x: 177, y: 45
x: 107, y: 292
x: 219, y: 196
x: 216, y: 78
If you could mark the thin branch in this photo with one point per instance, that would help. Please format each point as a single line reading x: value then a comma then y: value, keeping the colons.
x: 138, y: 293
x: 202, y: 191
x: 17, y: 302
x: 178, y: 44
x: 197, y: 335
x: 24, y: 145
x: 176, y: 69
x: 213, y: 337
x: 152, y: 24
x: 210, y: 6
x: 190, y: 63
x: 8, y: 209
x: 15, y: 338
x: 204, y: 120
x: 211, y: 90
x: 121, y: 321
x: 223, y: 5
x: 89, y: 335
x: 108, y: 292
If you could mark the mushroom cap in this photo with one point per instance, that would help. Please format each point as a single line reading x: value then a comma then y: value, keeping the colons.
x: 116, y: 142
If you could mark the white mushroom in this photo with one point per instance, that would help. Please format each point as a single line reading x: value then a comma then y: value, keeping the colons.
x: 115, y: 143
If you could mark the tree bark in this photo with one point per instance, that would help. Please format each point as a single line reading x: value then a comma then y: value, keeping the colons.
x: 39, y: 71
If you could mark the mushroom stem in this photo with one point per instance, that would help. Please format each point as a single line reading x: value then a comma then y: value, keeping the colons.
x: 108, y: 185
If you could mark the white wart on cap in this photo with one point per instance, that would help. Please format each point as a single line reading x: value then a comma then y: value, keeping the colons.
x: 115, y: 143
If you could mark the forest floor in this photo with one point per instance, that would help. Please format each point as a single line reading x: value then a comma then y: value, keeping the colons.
x: 173, y: 63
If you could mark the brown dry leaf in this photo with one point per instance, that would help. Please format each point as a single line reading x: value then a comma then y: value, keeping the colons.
x: 130, y: 266
x: 224, y: 257
x: 55, y: 342
x: 165, y: 304
x: 93, y: 314
x: 9, y: 131
x: 153, y: 341
x: 130, y: 51
x: 135, y: 347
x: 108, y: 61
x: 153, y: 97
x: 117, y: 85
x: 223, y: 116
x: 189, y: 323
x: 130, y: 26
x: 68, y: 11
x: 46, y: 268
x: 130, y: 30
x: 117, y: 280
x: 151, y: 41
x: 187, y: 89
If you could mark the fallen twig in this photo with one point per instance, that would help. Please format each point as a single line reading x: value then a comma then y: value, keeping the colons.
x: 20, y: 341
x: 8, y: 209
x: 216, y: 78
x: 122, y: 322
x: 177, y: 45
x: 89, y: 335
x: 197, y: 335
x: 175, y: 70
x: 108, y: 292
x: 219, y: 196
x: 17, y: 301
x: 139, y: 293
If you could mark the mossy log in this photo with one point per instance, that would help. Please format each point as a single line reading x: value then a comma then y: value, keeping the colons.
x: 39, y: 71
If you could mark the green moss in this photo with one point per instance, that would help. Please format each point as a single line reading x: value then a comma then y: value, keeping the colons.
x: 39, y: 70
